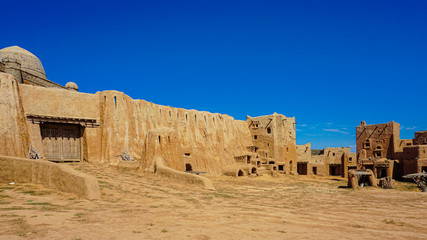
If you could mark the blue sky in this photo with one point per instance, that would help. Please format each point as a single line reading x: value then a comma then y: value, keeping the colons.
x: 331, y: 64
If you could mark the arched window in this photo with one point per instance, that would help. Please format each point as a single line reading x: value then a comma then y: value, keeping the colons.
x: 367, y: 143
x: 268, y: 130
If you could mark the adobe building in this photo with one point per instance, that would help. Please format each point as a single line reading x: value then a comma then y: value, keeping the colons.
x: 304, y: 160
x: 420, y: 138
x: 414, y: 158
x: 380, y: 149
x: 274, y: 142
x: 379, y: 140
x: 329, y: 162
x: 62, y: 124
x: 309, y: 164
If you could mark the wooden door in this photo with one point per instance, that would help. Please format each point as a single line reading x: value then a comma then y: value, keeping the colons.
x: 61, y: 142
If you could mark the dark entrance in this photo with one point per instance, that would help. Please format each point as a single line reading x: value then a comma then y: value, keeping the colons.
x: 334, y: 170
x: 61, y: 142
x: 363, y: 181
x: 302, y: 168
x: 371, y: 167
x: 381, y: 172
x: 188, y: 167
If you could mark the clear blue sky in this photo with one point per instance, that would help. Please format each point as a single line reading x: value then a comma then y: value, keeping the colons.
x: 330, y: 64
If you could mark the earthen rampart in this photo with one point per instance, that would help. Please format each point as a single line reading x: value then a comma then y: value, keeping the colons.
x: 112, y: 122
x: 51, y: 175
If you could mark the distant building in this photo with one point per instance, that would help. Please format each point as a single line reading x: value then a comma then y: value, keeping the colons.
x: 329, y: 162
x: 274, y: 142
x: 378, y: 144
x: 415, y: 157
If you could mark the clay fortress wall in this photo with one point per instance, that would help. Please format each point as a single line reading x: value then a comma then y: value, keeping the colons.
x: 57, y: 123
x: 63, y: 124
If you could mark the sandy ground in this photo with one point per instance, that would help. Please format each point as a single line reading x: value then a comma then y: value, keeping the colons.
x: 148, y: 207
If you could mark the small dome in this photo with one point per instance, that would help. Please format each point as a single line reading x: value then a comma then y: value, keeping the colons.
x: 29, y: 62
x: 71, y: 86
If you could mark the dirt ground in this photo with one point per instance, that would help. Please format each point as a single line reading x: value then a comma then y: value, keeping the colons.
x: 135, y: 206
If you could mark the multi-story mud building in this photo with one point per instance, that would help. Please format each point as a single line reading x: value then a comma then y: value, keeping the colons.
x: 274, y: 141
x: 378, y: 144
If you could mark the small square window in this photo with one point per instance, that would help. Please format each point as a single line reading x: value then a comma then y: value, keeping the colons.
x: 367, y: 144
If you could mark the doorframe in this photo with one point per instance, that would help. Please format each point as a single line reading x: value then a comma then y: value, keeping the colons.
x: 80, y: 132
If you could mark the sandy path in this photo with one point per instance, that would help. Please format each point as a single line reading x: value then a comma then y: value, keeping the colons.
x: 148, y: 207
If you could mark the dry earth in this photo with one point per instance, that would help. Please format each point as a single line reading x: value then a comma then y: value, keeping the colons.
x: 148, y: 207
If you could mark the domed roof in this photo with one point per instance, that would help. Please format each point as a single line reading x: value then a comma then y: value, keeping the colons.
x: 72, y: 86
x: 29, y: 62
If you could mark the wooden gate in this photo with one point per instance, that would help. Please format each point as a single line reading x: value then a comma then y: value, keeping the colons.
x: 61, y: 142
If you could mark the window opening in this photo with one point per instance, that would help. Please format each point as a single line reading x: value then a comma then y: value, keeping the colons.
x: 367, y: 143
x: 188, y: 167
